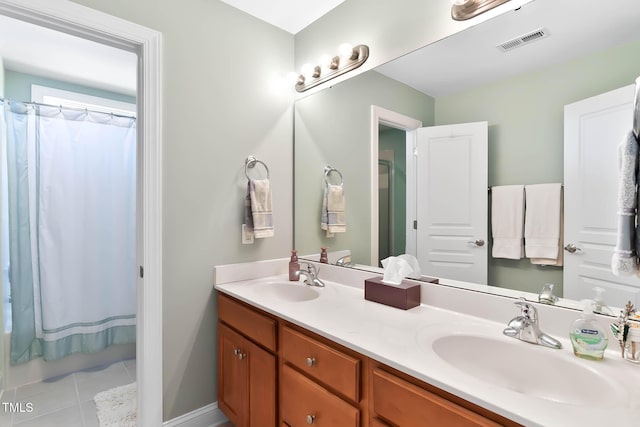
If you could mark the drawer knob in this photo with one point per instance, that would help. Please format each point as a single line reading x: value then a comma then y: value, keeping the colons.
x: 311, y: 361
x: 311, y: 419
x: 242, y: 356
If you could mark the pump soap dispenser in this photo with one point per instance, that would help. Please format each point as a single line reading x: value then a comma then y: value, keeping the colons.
x: 294, y: 267
x: 588, y: 340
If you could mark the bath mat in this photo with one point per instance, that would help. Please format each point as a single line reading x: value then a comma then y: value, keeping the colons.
x: 117, y: 407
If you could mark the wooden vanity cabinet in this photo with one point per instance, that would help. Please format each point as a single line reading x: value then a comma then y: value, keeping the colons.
x: 273, y: 373
x: 247, y: 372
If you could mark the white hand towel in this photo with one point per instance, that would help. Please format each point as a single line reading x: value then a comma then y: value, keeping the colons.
x: 258, y: 213
x: 542, y: 221
x: 334, y: 218
x: 507, y: 221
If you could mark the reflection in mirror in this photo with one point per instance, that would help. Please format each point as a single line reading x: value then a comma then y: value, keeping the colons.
x: 522, y: 95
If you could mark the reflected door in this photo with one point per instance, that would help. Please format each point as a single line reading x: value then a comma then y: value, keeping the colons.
x: 593, y: 129
x: 452, y: 197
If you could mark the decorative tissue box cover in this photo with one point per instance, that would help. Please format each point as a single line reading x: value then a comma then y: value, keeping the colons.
x: 406, y: 295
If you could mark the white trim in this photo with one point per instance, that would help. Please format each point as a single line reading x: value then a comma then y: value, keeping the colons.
x: 390, y: 118
x: 207, y: 416
x: 81, y: 21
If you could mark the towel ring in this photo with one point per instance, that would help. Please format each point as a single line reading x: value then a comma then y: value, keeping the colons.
x: 327, y: 172
x: 250, y: 162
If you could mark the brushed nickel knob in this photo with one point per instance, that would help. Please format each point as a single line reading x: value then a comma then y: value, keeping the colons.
x: 311, y: 361
x: 311, y: 419
x: 242, y: 356
x: 571, y: 248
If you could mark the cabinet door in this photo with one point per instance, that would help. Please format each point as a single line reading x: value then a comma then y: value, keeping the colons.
x: 262, y: 386
x: 233, y: 384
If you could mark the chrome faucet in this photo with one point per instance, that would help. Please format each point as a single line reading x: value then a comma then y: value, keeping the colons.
x: 344, y: 261
x: 525, y: 327
x: 310, y: 275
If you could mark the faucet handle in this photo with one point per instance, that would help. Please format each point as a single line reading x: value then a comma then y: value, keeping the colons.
x: 528, y: 310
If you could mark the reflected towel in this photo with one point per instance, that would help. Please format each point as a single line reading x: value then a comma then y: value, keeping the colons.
x: 542, y: 222
x: 333, y: 218
x: 507, y: 221
x: 258, y: 214
x: 624, y: 261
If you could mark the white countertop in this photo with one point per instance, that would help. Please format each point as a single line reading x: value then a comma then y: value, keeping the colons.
x: 403, y: 340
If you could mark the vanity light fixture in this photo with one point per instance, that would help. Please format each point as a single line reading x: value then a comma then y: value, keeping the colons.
x: 348, y: 58
x: 466, y: 9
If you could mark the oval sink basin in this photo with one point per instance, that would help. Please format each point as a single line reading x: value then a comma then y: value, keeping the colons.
x: 527, y: 369
x: 289, y: 291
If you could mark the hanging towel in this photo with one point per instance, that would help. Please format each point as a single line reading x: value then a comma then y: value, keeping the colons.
x: 542, y: 222
x: 507, y: 221
x: 558, y: 261
x: 624, y: 261
x: 333, y: 219
x: 258, y: 214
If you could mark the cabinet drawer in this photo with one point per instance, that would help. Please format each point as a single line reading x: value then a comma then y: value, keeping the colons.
x: 329, y: 366
x: 408, y: 405
x: 301, y: 399
x: 258, y: 327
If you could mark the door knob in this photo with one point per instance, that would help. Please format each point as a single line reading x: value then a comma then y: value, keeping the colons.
x: 478, y: 242
x: 571, y: 248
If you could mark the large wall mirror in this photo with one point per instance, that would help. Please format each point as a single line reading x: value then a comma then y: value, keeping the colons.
x: 520, y: 92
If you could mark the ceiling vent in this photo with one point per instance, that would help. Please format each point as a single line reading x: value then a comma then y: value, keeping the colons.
x: 527, y: 38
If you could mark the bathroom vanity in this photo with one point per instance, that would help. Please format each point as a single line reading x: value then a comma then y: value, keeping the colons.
x: 294, y: 355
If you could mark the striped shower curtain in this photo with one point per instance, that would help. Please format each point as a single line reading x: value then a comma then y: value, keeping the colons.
x: 72, y: 229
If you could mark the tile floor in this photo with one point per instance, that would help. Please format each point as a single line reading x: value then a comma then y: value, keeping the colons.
x: 65, y: 401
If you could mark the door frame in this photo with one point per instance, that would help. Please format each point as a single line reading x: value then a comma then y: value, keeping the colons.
x: 408, y: 124
x: 87, y: 23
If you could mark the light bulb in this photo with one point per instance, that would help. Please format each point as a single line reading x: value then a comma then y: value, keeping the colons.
x: 307, y: 70
x: 345, y: 50
x: 291, y: 78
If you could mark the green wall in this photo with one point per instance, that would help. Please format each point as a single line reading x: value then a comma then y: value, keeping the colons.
x: 331, y: 128
x: 526, y: 132
x: 220, y: 105
x: 18, y: 87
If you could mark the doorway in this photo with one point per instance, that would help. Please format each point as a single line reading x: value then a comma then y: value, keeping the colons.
x: 77, y: 20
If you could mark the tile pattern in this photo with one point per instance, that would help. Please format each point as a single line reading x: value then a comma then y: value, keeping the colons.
x: 65, y: 401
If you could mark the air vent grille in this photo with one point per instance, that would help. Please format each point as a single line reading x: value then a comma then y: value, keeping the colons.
x: 529, y: 37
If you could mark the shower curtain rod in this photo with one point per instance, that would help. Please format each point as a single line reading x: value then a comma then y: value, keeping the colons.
x: 40, y: 104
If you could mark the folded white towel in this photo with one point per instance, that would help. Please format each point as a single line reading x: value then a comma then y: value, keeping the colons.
x: 624, y: 261
x: 258, y: 213
x: 333, y: 219
x: 558, y: 261
x: 542, y: 221
x: 507, y: 221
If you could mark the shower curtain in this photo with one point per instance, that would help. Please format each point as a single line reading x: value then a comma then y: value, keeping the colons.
x: 72, y: 229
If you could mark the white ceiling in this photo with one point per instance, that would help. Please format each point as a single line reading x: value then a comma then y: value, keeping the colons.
x: 290, y: 15
x: 32, y: 49
x: 470, y: 58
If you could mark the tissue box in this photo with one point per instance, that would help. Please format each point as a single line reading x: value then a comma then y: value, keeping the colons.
x: 405, y: 295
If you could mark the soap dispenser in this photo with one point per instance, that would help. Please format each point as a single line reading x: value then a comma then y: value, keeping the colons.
x: 323, y: 256
x: 294, y: 267
x: 588, y: 340
x: 599, y: 305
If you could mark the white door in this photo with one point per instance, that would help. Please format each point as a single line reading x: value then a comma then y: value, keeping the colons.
x: 451, y: 187
x: 593, y: 129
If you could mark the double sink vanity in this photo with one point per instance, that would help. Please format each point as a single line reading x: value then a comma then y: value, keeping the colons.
x: 290, y: 354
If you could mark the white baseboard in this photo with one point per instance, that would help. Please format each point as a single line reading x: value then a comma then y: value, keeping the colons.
x: 207, y: 416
